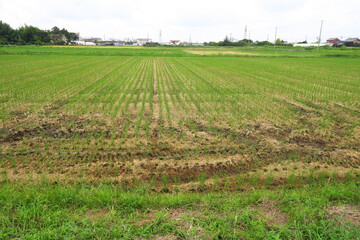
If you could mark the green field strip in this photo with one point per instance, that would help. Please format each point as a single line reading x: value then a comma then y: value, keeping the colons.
x: 126, y: 84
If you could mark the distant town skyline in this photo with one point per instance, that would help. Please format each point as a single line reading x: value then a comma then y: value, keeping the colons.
x: 204, y: 20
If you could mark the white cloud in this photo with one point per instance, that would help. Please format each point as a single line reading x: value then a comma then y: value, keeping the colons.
x: 204, y: 20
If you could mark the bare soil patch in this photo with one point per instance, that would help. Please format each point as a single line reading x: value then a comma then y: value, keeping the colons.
x: 96, y: 214
x: 270, y: 213
x: 167, y: 237
x: 147, y: 217
x: 183, y: 219
x: 345, y: 214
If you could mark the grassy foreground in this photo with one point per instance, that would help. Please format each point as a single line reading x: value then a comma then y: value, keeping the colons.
x: 48, y: 211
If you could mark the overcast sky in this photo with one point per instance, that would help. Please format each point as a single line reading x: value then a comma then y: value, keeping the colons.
x: 204, y: 20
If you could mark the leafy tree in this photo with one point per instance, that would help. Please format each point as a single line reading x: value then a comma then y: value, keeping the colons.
x: 352, y: 44
x: 70, y: 36
x: 28, y: 34
x: 279, y: 41
x: 33, y: 35
x: 7, y: 34
x: 226, y: 42
x: 55, y: 30
x: 151, y: 44
x: 245, y: 42
x: 263, y: 43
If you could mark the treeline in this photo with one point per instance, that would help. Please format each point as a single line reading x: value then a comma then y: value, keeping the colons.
x: 246, y: 42
x: 349, y: 44
x: 28, y: 34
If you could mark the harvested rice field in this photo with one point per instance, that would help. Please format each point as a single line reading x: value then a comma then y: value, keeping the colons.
x: 182, y: 121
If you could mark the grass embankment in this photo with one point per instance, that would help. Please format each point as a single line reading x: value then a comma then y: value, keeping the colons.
x: 48, y: 211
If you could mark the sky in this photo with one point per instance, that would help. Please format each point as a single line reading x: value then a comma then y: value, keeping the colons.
x: 203, y: 20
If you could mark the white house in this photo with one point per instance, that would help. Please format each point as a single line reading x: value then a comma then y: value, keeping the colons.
x: 85, y: 43
x: 142, y: 41
x: 309, y: 44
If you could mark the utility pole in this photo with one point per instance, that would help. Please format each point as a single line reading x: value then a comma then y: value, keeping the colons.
x: 245, y: 33
x: 275, y: 37
x: 190, y: 40
x: 320, y: 34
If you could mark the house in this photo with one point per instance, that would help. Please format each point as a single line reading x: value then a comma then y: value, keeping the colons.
x: 186, y: 44
x: 332, y: 40
x: 119, y: 43
x: 352, y: 40
x: 105, y: 43
x: 84, y: 43
x: 91, y: 39
x: 308, y: 44
x: 175, y: 42
x: 58, y: 37
x: 142, y: 41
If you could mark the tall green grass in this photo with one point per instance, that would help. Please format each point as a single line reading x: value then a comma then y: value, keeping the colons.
x: 46, y: 211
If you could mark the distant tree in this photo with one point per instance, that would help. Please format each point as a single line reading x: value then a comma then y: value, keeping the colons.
x: 61, y: 42
x: 245, y: 42
x: 31, y: 35
x: 263, y: 43
x: 279, y: 41
x: 352, y: 44
x: 226, y: 42
x: 55, y: 30
x: 70, y: 36
x: 7, y: 34
x: 73, y: 36
x: 213, y: 44
x: 28, y: 34
x: 63, y: 31
x: 151, y: 44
